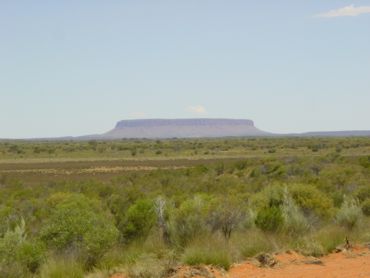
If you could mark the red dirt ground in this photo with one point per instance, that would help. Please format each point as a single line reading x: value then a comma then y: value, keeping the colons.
x: 354, y: 263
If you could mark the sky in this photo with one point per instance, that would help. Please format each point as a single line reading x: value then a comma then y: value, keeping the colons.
x: 77, y: 67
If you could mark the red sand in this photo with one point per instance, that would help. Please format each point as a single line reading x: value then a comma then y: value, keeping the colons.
x: 354, y: 263
x: 347, y: 264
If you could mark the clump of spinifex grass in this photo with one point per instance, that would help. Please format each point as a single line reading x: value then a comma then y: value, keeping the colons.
x: 210, y: 251
x: 350, y: 214
x: 252, y: 243
x: 61, y: 268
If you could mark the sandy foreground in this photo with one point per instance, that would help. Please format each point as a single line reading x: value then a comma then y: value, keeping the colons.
x: 345, y: 264
x: 355, y: 263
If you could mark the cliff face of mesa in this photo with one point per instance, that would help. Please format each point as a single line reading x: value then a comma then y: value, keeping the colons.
x: 183, y: 128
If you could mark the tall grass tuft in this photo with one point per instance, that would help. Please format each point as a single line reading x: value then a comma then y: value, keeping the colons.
x: 350, y: 214
x: 331, y: 237
x: 295, y: 223
x: 62, y: 268
x: 147, y: 266
x: 209, y: 252
x: 308, y: 246
x: 252, y: 243
x: 151, y: 258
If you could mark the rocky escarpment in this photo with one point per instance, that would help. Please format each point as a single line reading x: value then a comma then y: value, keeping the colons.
x: 183, y: 128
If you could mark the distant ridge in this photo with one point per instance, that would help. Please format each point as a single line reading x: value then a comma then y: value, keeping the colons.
x: 343, y: 133
x: 193, y: 128
x: 183, y: 128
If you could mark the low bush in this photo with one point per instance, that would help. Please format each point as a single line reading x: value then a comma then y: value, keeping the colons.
x: 311, y: 200
x: 31, y: 255
x: 138, y: 221
x: 188, y: 221
x: 270, y: 219
x: 363, y: 193
x: 80, y: 225
x: 19, y: 257
x: 365, y: 206
x: 349, y: 214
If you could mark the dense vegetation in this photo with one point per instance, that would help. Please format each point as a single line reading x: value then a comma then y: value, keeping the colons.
x: 201, y: 201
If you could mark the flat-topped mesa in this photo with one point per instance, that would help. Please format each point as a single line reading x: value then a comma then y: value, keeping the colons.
x: 183, y: 122
x: 183, y: 128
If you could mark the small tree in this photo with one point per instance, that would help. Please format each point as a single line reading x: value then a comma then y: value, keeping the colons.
x: 226, y: 215
x: 162, y: 218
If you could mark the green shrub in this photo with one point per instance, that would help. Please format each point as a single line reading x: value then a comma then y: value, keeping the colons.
x: 270, y: 218
x: 80, y: 224
x: 138, y: 220
x: 365, y: 161
x: 363, y: 193
x: 11, y: 242
x: 5, y: 215
x: 312, y: 200
x: 62, y: 268
x: 350, y: 214
x: 366, y: 207
x: 19, y: 256
x: 31, y: 255
x: 189, y: 220
x: 272, y: 195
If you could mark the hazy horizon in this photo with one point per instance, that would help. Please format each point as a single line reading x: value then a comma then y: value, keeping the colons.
x: 71, y: 69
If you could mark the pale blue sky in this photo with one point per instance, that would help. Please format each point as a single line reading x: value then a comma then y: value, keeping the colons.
x: 77, y: 67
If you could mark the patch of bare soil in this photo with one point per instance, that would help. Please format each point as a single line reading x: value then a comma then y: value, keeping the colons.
x: 93, y: 170
x: 347, y: 263
x: 198, y: 272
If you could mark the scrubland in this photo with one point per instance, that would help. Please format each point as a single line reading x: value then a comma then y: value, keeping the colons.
x: 142, y: 207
